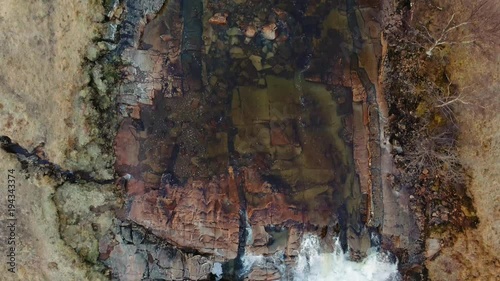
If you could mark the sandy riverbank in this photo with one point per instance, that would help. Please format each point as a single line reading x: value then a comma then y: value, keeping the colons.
x: 42, y: 45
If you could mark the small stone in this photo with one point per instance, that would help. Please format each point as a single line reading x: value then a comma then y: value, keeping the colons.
x: 269, y: 31
x: 234, y: 31
x: 256, y: 61
x: 110, y: 32
x: 236, y: 53
x: 432, y: 247
x: 233, y: 40
x: 250, y: 31
x: 218, y: 19
x: 269, y: 55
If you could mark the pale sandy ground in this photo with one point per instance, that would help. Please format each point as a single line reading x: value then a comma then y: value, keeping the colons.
x: 476, y: 254
x: 41, y: 46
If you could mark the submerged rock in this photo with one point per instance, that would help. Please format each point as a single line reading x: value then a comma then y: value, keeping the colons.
x: 250, y: 31
x: 218, y: 19
x: 269, y: 31
x: 256, y: 62
x: 237, y: 53
x: 233, y: 31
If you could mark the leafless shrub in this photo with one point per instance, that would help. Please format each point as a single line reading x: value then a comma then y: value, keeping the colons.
x: 446, y: 36
x: 436, y: 155
x: 469, y: 22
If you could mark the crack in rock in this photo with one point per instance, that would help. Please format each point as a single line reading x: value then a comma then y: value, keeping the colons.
x: 37, y: 159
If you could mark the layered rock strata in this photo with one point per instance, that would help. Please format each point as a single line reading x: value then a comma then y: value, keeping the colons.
x: 230, y: 150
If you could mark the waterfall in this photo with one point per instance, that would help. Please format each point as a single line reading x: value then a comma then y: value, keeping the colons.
x: 313, y: 264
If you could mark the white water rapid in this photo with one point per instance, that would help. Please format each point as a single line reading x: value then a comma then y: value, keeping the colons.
x: 313, y: 265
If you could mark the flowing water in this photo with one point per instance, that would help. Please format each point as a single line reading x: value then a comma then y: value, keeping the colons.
x: 315, y: 264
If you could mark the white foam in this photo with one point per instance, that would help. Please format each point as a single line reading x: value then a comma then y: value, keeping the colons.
x: 217, y: 270
x: 249, y: 261
x: 312, y: 264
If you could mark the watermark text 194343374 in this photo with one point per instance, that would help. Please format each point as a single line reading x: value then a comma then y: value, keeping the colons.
x: 11, y: 221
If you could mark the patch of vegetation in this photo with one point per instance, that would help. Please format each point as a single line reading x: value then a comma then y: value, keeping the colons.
x: 423, y: 129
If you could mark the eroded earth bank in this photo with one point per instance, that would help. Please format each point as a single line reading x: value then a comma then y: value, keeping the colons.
x: 207, y: 140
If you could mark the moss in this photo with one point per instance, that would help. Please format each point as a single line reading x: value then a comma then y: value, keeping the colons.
x: 80, y: 207
x: 467, y: 212
x: 111, y: 72
x: 438, y: 120
x: 422, y: 109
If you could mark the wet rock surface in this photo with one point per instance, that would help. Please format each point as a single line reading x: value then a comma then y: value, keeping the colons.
x: 238, y: 125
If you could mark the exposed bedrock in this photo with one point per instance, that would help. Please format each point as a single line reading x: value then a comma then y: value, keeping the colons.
x: 238, y: 136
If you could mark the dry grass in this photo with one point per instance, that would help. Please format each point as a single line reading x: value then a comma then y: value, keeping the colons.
x: 474, y: 70
x: 41, y: 53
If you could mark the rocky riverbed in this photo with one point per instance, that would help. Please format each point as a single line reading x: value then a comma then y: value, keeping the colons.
x: 216, y: 140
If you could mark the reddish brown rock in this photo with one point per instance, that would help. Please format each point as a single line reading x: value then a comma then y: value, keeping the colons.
x: 135, y: 112
x: 205, y: 215
x: 135, y: 187
x: 200, y: 215
x: 218, y: 19
x: 278, y: 137
x: 269, y: 31
x: 358, y: 90
x: 340, y: 73
x: 263, y: 274
x: 361, y: 152
x: 265, y: 207
x: 250, y: 31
